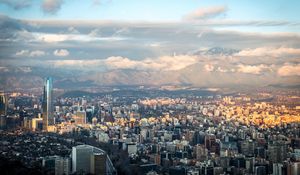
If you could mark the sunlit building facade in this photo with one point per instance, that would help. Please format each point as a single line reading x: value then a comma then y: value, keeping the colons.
x: 47, y: 105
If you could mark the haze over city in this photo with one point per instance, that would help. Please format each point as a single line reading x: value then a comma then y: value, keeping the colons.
x: 149, y: 87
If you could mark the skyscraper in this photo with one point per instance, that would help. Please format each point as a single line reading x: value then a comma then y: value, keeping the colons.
x: 277, y: 152
x: 47, y: 104
x: 3, y: 103
x: 62, y: 165
x: 88, y: 159
x: 98, y: 163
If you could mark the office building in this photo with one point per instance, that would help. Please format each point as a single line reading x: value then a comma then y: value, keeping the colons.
x: 48, y: 163
x: 98, y: 163
x: 80, y: 117
x: 3, y: 120
x: 294, y: 168
x: 48, y: 118
x: 277, y: 169
x: 277, y: 152
x: 62, y: 165
x: 88, y: 159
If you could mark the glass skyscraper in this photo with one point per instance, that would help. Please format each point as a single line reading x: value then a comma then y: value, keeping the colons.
x: 47, y: 104
x: 3, y: 103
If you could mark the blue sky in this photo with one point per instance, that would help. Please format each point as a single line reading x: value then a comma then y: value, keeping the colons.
x: 158, y: 10
x: 155, y: 10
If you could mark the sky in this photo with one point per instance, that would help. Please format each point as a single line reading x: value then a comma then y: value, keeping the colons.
x: 240, y: 42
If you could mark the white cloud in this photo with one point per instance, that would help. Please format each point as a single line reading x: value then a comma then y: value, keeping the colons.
x: 176, y: 62
x: 25, y: 69
x: 166, y: 63
x: 220, y: 69
x: 121, y: 31
x: 37, y: 53
x: 269, y: 51
x: 117, y: 62
x: 51, y: 38
x: 55, y: 38
x: 22, y: 53
x: 289, y: 70
x: 209, y: 67
x: 76, y: 63
x: 252, y: 69
x: 205, y: 13
x: 73, y: 30
x: 51, y: 6
x: 162, y: 63
x: 94, y: 33
x: 27, y: 53
x: 61, y: 52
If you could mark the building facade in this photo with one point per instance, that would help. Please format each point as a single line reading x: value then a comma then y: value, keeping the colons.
x: 47, y: 105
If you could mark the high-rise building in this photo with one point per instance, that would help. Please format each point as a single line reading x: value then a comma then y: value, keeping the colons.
x: 88, y: 159
x: 277, y: 169
x: 62, y: 165
x: 57, y: 165
x: 294, y: 168
x: 81, y: 158
x: 3, y: 103
x: 3, y: 120
x: 98, y: 163
x: 80, y: 117
x: 201, y: 152
x: 277, y: 152
x: 48, y: 163
x: 48, y: 118
x: 260, y: 170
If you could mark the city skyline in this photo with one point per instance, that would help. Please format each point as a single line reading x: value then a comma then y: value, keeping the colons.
x: 119, y: 43
x: 150, y: 87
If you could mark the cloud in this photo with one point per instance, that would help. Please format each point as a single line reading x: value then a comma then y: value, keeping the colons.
x: 220, y: 69
x: 61, y: 53
x: 95, y: 33
x: 27, y: 53
x: 77, y: 63
x: 118, y: 62
x: 51, y: 6
x: 73, y: 30
x: 209, y: 67
x: 164, y: 63
x: 37, y: 53
x: 17, y: 4
x: 289, y: 70
x: 22, y: 53
x: 149, y: 47
x: 269, y: 51
x: 206, y: 13
x: 122, y: 31
x: 252, y: 69
x: 176, y: 62
x: 54, y: 38
x: 101, y: 2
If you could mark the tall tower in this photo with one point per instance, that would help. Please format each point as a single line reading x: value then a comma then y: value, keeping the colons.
x: 3, y: 103
x: 47, y: 104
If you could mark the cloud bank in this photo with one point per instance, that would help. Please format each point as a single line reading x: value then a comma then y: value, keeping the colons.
x: 201, y: 54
